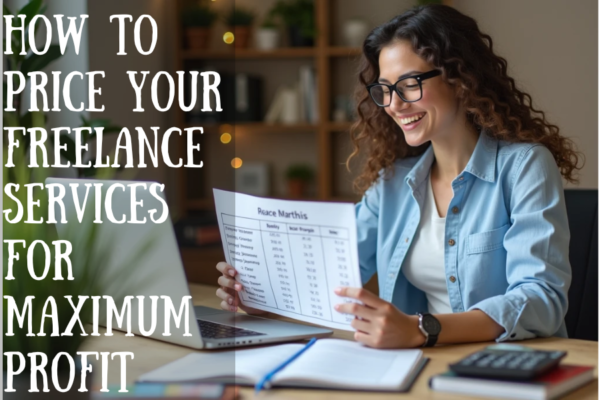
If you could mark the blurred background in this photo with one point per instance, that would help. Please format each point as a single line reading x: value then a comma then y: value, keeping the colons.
x: 288, y: 70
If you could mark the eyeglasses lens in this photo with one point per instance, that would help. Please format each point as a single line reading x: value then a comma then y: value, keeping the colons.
x: 409, y: 89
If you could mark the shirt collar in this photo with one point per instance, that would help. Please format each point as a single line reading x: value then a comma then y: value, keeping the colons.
x: 481, y: 165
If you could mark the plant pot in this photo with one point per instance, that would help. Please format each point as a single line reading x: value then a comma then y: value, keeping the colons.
x: 21, y: 384
x: 297, y: 39
x: 267, y: 39
x: 242, y: 36
x: 198, y: 38
x: 296, y: 188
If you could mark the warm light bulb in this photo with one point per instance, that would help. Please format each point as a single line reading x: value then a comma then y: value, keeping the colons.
x: 228, y: 37
x: 236, y: 162
x: 225, y: 138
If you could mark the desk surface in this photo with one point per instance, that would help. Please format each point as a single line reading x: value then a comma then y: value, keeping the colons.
x: 151, y: 354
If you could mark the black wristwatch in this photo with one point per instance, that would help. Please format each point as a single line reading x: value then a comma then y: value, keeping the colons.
x: 430, y: 327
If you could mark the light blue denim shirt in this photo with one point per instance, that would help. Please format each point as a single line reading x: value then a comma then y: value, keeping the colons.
x: 507, y: 237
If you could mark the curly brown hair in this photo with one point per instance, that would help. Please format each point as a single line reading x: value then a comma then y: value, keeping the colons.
x: 452, y: 43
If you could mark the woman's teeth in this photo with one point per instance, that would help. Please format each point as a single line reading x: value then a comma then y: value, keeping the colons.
x: 408, y: 120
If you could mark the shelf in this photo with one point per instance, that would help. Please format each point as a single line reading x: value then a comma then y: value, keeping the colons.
x: 284, y: 52
x: 339, y: 126
x: 257, y: 127
x: 344, y: 51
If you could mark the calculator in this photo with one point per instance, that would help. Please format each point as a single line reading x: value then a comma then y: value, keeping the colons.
x: 508, y: 362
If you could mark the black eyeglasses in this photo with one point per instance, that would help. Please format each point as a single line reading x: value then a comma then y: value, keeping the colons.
x: 409, y: 89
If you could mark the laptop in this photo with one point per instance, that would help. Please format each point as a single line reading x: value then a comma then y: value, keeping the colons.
x: 143, y: 260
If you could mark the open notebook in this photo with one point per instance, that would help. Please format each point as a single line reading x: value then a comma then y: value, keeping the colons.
x: 329, y: 363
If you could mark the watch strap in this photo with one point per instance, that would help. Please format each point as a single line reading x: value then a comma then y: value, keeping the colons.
x: 430, y: 340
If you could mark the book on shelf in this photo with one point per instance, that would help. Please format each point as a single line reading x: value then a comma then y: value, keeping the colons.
x: 297, y: 103
x: 554, y: 384
x: 198, y: 231
x: 329, y: 364
x: 240, y: 96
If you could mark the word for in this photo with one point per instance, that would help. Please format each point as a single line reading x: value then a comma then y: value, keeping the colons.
x: 59, y: 255
x: 39, y: 137
x: 38, y: 362
x: 57, y: 192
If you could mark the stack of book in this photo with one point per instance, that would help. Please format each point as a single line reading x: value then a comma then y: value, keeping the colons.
x: 297, y: 103
x: 551, y: 385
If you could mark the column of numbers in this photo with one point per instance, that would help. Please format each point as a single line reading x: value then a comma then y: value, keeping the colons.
x: 338, y: 270
x: 310, y: 269
x: 281, y: 270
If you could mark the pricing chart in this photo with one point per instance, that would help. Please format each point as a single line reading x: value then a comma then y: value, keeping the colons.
x: 291, y: 255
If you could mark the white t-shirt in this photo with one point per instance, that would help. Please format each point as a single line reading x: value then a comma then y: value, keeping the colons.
x: 424, y: 263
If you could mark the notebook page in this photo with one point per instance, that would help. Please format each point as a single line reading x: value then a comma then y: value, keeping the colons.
x: 248, y: 366
x: 332, y: 362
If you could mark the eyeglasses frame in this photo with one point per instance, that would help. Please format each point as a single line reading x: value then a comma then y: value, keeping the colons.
x: 420, y: 78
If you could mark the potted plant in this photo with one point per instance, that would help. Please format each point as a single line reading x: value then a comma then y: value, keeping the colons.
x: 299, y: 17
x: 267, y: 35
x: 240, y: 21
x: 197, y: 22
x: 298, y: 177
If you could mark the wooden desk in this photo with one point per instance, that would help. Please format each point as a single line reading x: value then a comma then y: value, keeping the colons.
x: 151, y: 354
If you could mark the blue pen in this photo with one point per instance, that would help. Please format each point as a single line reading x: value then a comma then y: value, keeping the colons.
x: 265, y: 382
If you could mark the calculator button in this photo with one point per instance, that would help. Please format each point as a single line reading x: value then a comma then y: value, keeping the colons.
x: 555, y: 355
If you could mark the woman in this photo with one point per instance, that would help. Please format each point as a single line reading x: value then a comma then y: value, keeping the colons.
x: 463, y: 215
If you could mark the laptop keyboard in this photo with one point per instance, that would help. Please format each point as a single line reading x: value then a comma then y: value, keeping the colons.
x: 211, y: 330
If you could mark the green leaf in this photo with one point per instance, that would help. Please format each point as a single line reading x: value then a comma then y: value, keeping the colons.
x: 5, y: 10
x: 31, y: 10
x: 38, y: 62
x: 35, y: 119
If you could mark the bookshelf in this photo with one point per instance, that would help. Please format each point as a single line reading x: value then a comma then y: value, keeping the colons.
x: 325, y: 144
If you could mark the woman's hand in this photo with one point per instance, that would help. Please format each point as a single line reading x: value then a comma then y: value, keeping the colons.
x: 229, y: 290
x: 378, y: 323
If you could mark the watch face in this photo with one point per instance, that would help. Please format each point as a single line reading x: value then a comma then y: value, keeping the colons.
x: 431, y: 324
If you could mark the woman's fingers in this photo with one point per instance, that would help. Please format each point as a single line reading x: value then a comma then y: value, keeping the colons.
x: 226, y: 269
x: 229, y: 303
x: 226, y: 306
x: 224, y: 295
x: 229, y: 283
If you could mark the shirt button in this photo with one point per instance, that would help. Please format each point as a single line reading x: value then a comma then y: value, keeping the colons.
x: 461, y: 178
x: 455, y: 210
x: 452, y: 279
x: 451, y: 242
x: 406, y: 240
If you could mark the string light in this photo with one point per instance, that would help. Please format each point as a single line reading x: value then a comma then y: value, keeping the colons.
x: 236, y: 162
x: 226, y: 138
x: 228, y: 37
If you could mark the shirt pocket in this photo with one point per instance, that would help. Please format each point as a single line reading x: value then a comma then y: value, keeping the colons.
x: 486, y: 241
